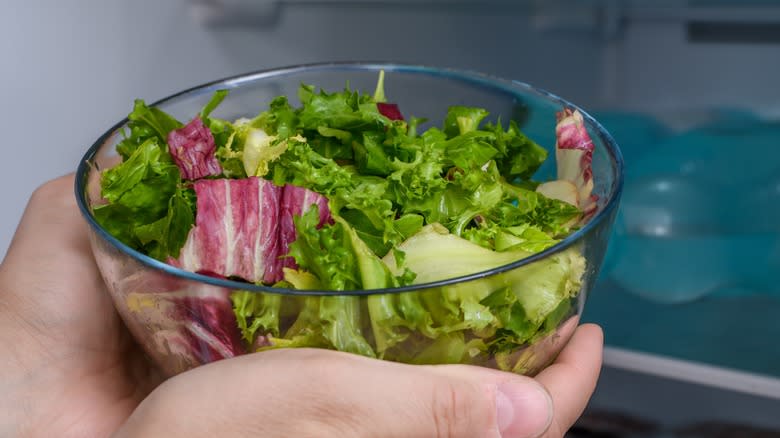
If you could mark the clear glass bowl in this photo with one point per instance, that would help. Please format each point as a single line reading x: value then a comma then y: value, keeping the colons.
x: 183, y: 319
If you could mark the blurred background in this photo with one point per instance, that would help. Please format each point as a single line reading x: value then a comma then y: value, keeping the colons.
x: 689, y: 294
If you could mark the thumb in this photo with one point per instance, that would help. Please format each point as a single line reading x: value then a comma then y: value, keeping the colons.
x: 321, y: 393
x: 522, y: 406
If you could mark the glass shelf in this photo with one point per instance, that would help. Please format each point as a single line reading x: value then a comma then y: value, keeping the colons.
x: 735, y: 332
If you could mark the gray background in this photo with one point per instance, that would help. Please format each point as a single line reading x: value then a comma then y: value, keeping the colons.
x: 71, y: 69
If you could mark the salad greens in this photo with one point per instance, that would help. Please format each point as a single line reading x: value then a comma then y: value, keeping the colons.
x: 402, y: 205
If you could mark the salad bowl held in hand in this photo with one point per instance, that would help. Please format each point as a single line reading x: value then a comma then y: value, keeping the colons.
x: 406, y: 213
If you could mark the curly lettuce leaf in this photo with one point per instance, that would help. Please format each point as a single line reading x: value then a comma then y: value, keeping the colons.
x: 552, y: 216
x: 337, y: 256
x: 524, y: 237
x: 387, y: 323
x: 518, y: 155
x: 256, y: 313
x: 420, y: 179
x: 347, y: 110
x: 302, y: 166
x: 325, y: 252
x: 362, y: 200
x: 147, y: 161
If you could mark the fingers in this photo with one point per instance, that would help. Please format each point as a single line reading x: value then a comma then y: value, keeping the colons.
x: 50, y: 220
x: 572, y: 379
x: 49, y: 277
x: 332, y: 394
x: 52, y: 239
x: 524, y: 407
x: 319, y: 393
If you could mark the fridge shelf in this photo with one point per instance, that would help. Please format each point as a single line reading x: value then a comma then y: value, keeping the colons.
x: 726, y: 341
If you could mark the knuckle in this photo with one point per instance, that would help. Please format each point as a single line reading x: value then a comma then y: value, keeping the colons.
x: 56, y: 193
x: 54, y: 187
x: 324, y: 413
x: 457, y: 408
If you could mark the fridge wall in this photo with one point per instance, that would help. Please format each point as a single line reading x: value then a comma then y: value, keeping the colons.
x: 73, y: 68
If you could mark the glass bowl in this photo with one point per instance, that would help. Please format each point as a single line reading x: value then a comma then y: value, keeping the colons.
x: 183, y: 319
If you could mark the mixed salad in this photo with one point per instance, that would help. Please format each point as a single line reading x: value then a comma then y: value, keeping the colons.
x: 345, y: 192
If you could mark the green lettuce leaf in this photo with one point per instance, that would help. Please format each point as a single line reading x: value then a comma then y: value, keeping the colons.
x: 340, y: 316
x: 144, y: 123
x: 306, y: 330
x: 450, y: 348
x: 346, y: 110
x: 325, y: 252
x: 361, y: 199
x: 516, y: 327
x: 337, y: 256
x: 213, y: 103
x: 519, y: 300
x: 230, y: 157
x: 420, y: 179
x: 337, y: 259
x: 552, y: 216
x: 370, y: 155
x: 379, y: 92
x: 166, y: 236
x: 525, y: 237
x: 256, y: 312
x: 470, y: 150
x: 302, y: 166
x: 280, y: 119
x: 148, y: 209
x: 518, y: 155
x: 328, y: 322
x: 463, y: 120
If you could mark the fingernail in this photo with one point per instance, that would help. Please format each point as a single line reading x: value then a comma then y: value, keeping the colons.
x: 523, y: 410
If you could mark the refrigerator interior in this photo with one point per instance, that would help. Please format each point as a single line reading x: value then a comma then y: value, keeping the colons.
x: 687, y: 295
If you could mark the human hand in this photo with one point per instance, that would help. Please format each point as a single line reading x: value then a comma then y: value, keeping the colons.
x: 320, y: 393
x: 71, y: 369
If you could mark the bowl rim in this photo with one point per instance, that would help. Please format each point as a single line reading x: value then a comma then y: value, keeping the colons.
x: 463, y: 75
